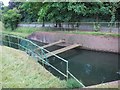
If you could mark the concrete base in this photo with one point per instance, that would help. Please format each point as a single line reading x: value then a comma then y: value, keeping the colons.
x: 113, y: 84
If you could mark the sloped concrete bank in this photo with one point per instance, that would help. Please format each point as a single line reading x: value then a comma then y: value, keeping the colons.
x: 91, y: 42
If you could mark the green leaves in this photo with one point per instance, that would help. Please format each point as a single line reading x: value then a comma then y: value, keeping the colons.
x: 65, y: 11
x: 78, y: 8
x: 11, y: 18
x: 43, y: 11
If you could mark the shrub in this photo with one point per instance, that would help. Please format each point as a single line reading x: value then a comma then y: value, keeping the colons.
x: 96, y: 27
x: 11, y: 18
x: 72, y: 83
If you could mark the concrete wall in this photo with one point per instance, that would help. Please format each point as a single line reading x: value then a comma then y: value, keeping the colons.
x: 100, y: 43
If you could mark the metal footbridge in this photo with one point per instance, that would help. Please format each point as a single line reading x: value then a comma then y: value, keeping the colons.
x: 40, y: 53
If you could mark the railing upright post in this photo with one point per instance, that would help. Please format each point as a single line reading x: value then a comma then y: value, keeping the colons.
x: 42, y: 54
x: 67, y: 70
x: 18, y: 43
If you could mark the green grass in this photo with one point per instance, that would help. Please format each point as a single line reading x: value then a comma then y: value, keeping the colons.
x: 21, y: 71
x: 93, y: 33
x: 25, y: 31
x: 0, y: 68
x: 72, y: 83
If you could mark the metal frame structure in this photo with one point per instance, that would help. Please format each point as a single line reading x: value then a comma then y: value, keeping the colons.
x: 40, y: 56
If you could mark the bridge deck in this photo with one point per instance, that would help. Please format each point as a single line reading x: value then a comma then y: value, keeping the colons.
x: 62, y: 50
x: 51, y: 44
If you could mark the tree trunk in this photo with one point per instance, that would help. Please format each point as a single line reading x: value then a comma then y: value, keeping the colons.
x: 59, y: 24
x: 43, y: 24
x: 56, y: 24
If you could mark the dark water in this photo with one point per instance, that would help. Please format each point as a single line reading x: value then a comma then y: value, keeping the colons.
x: 90, y: 67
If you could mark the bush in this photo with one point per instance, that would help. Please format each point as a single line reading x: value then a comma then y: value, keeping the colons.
x: 11, y: 18
x: 96, y: 27
x: 71, y: 83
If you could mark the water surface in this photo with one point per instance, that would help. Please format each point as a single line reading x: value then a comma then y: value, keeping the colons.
x: 90, y: 67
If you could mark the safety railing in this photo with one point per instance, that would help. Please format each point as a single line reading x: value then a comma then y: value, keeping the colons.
x: 40, y: 56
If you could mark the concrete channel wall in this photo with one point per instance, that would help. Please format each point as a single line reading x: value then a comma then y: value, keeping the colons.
x: 91, y: 42
x: 113, y: 84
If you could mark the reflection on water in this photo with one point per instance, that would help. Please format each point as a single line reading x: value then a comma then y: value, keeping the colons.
x: 88, y: 68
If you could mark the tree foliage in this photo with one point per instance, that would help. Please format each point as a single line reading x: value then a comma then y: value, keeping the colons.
x: 43, y: 12
x: 29, y: 11
x: 66, y: 11
x: 11, y: 18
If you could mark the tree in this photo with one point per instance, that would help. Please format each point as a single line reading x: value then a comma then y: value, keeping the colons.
x: 56, y: 13
x: 29, y: 11
x: 11, y: 18
x: 43, y: 12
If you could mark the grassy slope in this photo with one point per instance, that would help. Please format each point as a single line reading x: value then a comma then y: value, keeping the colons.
x: 0, y: 68
x: 19, y: 70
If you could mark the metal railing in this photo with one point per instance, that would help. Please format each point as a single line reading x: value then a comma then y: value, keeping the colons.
x: 29, y: 47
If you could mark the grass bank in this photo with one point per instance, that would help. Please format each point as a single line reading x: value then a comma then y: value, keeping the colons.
x: 93, y: 33
x: 25, y: 31
x: 20, y: 71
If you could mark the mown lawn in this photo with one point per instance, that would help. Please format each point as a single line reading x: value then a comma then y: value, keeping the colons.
x: 21, y: 71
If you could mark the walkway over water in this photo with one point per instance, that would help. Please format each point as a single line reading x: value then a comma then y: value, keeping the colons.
x: 62, y: 50
x: 51, y: 44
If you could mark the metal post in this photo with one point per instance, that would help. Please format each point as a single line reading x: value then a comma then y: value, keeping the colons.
x: 18, y: 43
x: 42, y: 54
x: 67, y: 70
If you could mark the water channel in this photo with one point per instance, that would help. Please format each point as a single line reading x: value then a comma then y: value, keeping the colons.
x: 90, y: 67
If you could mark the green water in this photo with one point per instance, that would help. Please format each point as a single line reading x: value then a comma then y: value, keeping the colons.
x: 90, y: 67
